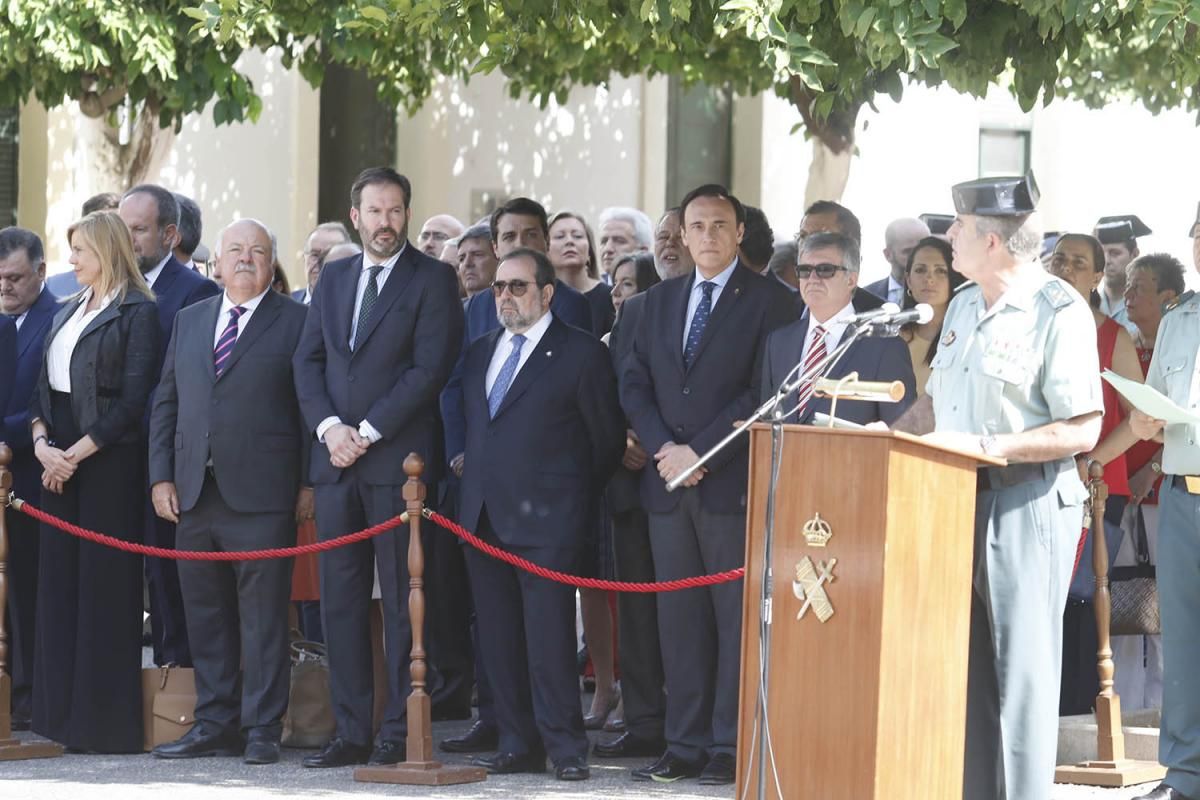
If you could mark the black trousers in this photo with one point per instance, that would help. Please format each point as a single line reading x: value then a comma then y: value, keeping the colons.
x: 22, y: 606
x: 448, y: 620
x: 168, y: 622
x: 701, y: 628
x: 88, y: 650
x: 237, y: 614
x: 347, y: 578
x: 526, y: 630
x: 637, y: 617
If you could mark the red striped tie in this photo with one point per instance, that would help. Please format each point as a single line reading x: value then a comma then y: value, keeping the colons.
x: 228, y: 339
x: 816, y: 354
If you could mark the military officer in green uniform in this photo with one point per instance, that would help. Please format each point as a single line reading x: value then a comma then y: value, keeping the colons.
x: 1174, y: 372
x: 1016, y: 376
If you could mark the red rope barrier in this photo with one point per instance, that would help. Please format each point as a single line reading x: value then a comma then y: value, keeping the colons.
x: 194, y: 555
x: 583, y: 583
x: 375, y: 530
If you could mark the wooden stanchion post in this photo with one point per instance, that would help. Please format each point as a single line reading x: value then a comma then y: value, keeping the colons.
x: 1110, y: 768
x: 11, y: 749
x: 419, y: 766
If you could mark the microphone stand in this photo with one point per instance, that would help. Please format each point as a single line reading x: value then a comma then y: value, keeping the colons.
x: 774, y: 407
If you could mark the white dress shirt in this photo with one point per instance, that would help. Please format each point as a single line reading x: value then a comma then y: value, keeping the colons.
x: 720, y: 279
x: 895, y: 291
x: 58, y: 360
x: 365, y: 429
x: 834, y: 328
x: 153, y: 274
x: 504, y: 350
x: 223, y: 317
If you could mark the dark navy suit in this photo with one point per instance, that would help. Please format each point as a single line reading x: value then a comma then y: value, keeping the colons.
x: 8, y: 358
x: 401, y: 359
x: 27, y: 484
x: 449, y: 633
x: 700, y: 530
x: 175, y: 288
x: 531, y: 484
x: 873, y: 358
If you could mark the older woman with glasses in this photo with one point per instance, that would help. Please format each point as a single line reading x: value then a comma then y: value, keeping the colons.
x: 97, y: 374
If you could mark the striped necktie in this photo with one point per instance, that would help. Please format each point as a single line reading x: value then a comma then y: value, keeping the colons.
x: 225, y: 344
x: 816, y: 354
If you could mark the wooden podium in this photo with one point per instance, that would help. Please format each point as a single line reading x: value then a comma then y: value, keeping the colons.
x: 874, y: 533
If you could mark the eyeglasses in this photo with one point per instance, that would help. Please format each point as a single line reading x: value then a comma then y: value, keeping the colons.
x: 824, y: 271
x: 515, y: 288
x: 314, y: 255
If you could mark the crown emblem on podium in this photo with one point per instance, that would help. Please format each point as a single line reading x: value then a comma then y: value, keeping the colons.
x: 817, y: 532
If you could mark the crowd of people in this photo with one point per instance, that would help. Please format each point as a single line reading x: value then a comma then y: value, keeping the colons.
x: 554, y: 379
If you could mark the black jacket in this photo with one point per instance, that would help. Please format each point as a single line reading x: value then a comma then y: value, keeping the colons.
x: 113, y: 370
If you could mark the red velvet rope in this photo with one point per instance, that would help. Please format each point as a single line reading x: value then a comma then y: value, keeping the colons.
x: 583, y: 583
x: 195, y: 555
x: 375, y: 530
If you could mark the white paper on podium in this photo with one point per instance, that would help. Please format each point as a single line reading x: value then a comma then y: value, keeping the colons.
x: 1150, y: 401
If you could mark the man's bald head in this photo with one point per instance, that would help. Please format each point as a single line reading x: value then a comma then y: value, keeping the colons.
x: 900, y: 237
x: 436, y: 231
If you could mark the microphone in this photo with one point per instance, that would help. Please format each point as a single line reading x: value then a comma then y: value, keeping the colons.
x: 920, y: 314
x: 885, y: 310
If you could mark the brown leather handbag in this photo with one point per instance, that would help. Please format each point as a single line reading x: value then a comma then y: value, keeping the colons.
x: 168, y: 704
x: 309, y: 720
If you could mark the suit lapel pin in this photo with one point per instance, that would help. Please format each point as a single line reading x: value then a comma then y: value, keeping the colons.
x: 548, y: 353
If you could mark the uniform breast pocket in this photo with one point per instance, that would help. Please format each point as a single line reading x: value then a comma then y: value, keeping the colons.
x: 1176, y: 377
x: 1001, y: 377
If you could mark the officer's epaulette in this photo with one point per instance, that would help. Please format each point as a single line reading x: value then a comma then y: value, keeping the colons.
x: 1056, y: 294
x: 1183, y: 298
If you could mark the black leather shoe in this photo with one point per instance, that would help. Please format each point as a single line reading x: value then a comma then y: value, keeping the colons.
x: 386, y: 753
x: 481, y: 738
x: 21, y: 723
x: 572, y: 769
x: 510, y: 763
x: 719, y: 771
x: 1163, y: 792
x: 668, y: 769
x: 629, y: 746
x: 337, y: 753
x: 261, y: 749
x: 198, y: 743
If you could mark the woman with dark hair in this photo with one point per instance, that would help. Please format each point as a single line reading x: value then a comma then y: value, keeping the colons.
x: 929, y: 277
x: 573, y: 254
x: 280, y: 282
x: 634, y: 274
x: 1079, y: 260
x: 98, y: 370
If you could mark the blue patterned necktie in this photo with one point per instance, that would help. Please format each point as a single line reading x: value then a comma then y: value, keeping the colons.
x: 228, y: 339
x: 504, y: 380
x: 699, y: 320
x: 369, y: 298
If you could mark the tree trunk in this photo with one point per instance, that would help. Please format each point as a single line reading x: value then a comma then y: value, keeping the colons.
x: 115, y: 167
x: 832, y: 141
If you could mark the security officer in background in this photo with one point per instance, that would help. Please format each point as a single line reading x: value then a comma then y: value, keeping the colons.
x: 1016, y: 376
x: 1173, y: 372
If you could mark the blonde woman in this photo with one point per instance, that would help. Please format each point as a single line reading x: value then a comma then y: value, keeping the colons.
x: 87, y: 410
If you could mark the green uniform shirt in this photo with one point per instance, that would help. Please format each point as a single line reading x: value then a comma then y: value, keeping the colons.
x: 1173, y: 372
x: 1029, y: 360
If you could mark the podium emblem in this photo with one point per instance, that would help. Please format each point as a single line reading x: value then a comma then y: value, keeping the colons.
x: 809, y: 587
x: 817, y: 532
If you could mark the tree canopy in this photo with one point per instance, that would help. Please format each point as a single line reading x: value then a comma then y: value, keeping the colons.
x: 827, y: 56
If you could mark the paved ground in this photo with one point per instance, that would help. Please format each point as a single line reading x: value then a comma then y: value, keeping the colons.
x: 142, y: 777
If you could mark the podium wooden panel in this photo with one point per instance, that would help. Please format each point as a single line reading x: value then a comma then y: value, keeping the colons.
x: 872, y: 702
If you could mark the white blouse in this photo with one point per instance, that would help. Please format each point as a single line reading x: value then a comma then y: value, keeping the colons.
x: 58, y: 359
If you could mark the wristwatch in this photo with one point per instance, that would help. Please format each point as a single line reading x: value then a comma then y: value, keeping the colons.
x: 987, y: 443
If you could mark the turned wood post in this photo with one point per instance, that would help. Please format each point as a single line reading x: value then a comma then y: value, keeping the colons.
x: 1110, y: 740
x: 420, y: 729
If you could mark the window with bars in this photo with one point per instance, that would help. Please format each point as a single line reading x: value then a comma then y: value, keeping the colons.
x: 9, y: 117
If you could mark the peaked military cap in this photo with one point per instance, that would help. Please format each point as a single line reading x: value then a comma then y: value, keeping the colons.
x: 997, y: 197
x: 1120, y: 228
x: 938, y: 224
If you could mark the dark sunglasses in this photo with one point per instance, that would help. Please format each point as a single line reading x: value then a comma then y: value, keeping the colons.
x: 516, y: 288
x: 824, y: 271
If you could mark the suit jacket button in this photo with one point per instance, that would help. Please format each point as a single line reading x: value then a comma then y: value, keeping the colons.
x: 350, y: 378
x: 679, y: 429
x: 686, y: 390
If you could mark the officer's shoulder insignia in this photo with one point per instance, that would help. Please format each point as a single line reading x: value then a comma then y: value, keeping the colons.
x: 1188, y: 301
x: 1057, y: 295
x: 948, y: 339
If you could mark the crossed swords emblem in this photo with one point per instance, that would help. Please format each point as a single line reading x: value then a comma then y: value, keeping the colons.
x: 809, y: 587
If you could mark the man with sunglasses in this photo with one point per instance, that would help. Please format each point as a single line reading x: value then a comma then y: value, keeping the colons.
x: 544, y: 430
x: 693, y: 372
x: 827, y: 269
